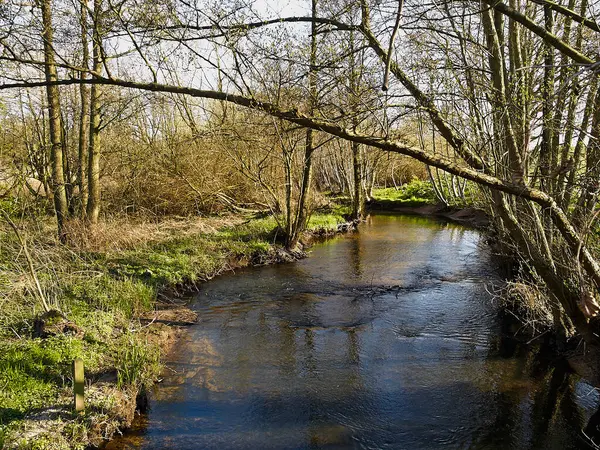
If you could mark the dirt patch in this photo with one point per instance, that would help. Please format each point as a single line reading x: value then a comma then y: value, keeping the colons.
x: 170, y: 315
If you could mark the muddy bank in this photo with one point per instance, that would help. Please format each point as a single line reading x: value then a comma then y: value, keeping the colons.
x: 471, y: 217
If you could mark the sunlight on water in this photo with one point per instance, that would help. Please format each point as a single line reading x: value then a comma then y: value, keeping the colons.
x: 387, y: 338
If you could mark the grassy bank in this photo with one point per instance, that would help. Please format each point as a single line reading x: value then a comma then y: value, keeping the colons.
x: 107, y: 286
x: 415, y: 193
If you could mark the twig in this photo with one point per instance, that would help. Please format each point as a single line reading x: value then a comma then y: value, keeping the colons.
x: 388, y: 63
x: 29, y: 261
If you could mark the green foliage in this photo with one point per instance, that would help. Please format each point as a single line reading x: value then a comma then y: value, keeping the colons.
x: 10, y: 206
x: 31, y: 370
x: 17, y: 207
x: 99, y: 325
x: 255, y: 229
x: 137, y: 363
x: 419, y: 189
x: 327, y: 221
x: 415, y: 193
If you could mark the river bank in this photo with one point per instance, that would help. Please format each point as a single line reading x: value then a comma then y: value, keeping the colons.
x: 117, y: 291
x: 467, y: 216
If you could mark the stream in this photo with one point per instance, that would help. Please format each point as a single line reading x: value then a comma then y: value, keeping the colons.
x: 384, y: 338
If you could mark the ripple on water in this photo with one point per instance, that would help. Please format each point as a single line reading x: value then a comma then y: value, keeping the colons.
x: 382, y: 339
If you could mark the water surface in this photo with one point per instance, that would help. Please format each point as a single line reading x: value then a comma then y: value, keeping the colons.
x: 386, y: 338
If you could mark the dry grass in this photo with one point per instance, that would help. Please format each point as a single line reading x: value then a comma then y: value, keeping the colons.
x: 121, y: 234
x: 529, y: 303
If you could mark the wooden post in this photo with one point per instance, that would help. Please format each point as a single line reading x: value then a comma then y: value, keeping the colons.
x: 78, y: 384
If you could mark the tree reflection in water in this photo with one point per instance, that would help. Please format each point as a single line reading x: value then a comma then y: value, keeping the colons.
x: 384, y: 338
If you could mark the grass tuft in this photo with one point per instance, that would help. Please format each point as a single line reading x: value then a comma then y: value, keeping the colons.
x: 137, y: 363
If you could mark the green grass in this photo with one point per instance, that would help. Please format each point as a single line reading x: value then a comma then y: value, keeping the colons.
x: 32, y: 369
x: 105, y: 293
x: 415, y: 193
x: 136, y: 362
x: 328, y: 219
x: 191, y: 258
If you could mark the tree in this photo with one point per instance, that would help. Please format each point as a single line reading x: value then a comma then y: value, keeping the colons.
x: 84, y: 117
x: 56, y: 159
x: 301, y: 219
x: 93, y: 172
x: 497, y: 110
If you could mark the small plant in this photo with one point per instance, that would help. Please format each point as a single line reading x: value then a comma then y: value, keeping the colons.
x: 136, y: 362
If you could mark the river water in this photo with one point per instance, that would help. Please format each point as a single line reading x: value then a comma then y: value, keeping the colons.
x: 385, y: 338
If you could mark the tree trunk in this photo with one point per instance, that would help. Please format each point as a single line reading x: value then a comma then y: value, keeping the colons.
x: 358, y: 199
x: 93, y: 204
x: 84, y: 120
x: 302, y: 213
x: 52, y: 92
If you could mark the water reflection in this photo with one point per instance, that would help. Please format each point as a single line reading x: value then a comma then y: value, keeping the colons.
x: 383, y: 339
